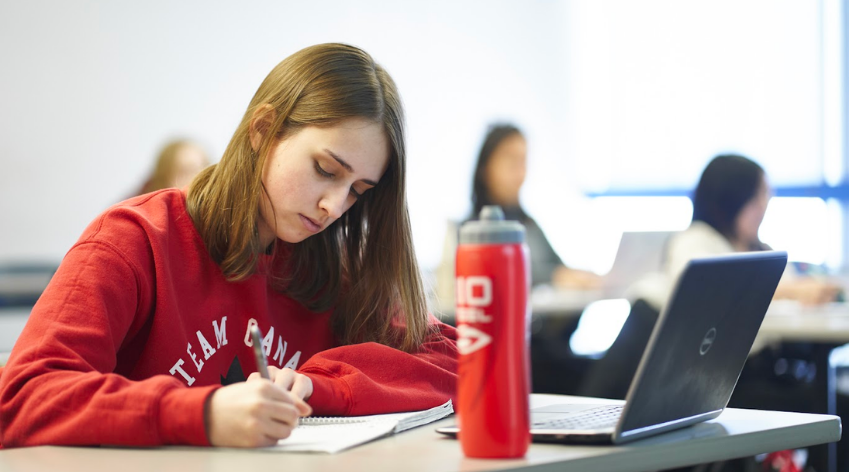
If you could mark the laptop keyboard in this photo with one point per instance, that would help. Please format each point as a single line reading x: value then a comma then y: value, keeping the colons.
x: 594, y: 418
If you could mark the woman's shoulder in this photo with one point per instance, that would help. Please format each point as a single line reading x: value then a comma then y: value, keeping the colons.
x: 168, y: 198
x: 698, y: 229
x: 146, y: 220
x: 700, y: 238
x: 155, y: 207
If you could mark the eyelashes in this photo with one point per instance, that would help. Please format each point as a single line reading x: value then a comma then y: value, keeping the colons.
x: 328, y: 175
x: 321, y: 171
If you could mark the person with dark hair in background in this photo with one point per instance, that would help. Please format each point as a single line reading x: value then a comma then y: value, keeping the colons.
x: 499, y: 174
x: 498, y: 177
x: 732, y: 197
x: 729, y: 204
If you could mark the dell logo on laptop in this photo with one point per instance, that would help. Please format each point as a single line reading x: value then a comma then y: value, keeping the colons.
x: 707, y: 341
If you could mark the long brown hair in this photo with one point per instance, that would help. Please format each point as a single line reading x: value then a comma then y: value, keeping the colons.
x: 363, y: 264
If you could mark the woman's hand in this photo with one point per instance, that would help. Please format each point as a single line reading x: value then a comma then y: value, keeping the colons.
x: 566, y: 278
x: 808, y: 291
x: 253, y: 414
x: 298, y: 384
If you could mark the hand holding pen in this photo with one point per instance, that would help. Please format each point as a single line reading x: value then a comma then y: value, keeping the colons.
x: 298, y: 384
x: 255, y: 413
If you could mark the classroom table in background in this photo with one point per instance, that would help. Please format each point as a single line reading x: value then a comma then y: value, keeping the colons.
x: 554, y: 317
x: 823, y: 328
x: 735, y: 433
x: 12, y: 321
x: 790, y: 321
x: 546, y: 301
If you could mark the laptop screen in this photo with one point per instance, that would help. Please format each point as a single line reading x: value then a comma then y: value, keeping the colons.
x: 702, y: 339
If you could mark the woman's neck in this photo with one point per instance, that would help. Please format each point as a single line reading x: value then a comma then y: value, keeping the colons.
x: 741, y: 245
x: 507, y: 202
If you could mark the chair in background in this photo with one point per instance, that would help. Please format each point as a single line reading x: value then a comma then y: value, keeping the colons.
x: 611, y: 375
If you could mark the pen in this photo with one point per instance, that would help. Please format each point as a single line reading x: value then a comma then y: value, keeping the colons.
x: 261, y: 363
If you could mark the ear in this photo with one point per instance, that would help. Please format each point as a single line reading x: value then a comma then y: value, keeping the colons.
x: 261, y: 122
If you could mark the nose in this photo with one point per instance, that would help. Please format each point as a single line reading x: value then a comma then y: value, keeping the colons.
x: 335, y: 202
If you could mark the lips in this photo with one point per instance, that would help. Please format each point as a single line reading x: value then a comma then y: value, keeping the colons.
x: 309, y: 224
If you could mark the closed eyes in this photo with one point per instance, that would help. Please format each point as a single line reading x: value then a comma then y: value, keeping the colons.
x: 321, y: 171
x: 330, y: 175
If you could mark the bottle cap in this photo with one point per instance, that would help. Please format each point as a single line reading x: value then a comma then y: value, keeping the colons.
x: 492, y: 228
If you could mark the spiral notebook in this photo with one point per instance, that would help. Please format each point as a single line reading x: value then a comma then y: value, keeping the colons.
x: 334, y: 434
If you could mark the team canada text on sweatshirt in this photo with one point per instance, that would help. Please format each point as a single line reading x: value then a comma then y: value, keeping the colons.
x: 139, y: 326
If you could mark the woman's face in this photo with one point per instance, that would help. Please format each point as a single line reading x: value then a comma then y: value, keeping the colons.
x: 752, y: 214
x: 505, y: 172
x: 314, y: 176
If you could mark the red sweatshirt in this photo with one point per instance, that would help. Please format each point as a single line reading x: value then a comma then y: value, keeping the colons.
x: 139, y: 326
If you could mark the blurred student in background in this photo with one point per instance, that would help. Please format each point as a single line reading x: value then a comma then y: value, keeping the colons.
x: 728, y: 207
x: 499, y: 174
x: 729, y: 204
x: 177, y: 164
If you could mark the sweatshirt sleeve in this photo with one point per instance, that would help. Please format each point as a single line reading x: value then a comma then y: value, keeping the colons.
x: 370, y: 378
x: 60, y: 387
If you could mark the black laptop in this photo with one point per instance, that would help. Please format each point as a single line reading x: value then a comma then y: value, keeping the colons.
x: 692, y: 361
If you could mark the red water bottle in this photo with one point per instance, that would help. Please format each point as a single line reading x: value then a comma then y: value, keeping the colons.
x: 493, y: 281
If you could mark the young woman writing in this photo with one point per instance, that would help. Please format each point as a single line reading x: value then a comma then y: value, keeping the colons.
x: 142, y: 337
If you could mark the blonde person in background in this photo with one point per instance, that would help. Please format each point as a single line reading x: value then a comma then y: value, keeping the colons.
x: 729, y: 204
x: 499, y: 174
x: 178, y: 163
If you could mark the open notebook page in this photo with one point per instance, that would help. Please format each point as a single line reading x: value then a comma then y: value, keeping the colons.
x: 334, y: 434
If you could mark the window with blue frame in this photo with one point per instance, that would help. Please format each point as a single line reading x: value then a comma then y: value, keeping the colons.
x: 657, y: 88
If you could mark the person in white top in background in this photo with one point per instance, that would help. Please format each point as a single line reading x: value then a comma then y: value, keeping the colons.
x: 729, y: 204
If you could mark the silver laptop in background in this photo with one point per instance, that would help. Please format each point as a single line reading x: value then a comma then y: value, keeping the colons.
x: 692, y: 361
x: 639, y: 253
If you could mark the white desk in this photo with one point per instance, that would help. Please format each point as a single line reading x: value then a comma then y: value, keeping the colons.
x: 736, y: 433
x: 790, y: 321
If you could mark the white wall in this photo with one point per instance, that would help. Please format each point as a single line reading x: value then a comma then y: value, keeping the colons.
x: 89, y: 91
x: 666, y: 85
x: 609, y: 93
